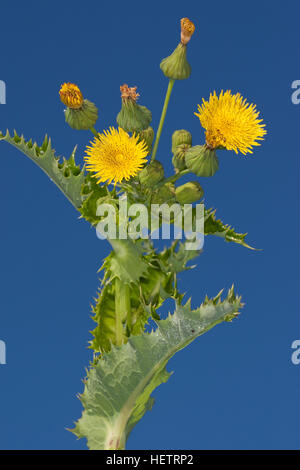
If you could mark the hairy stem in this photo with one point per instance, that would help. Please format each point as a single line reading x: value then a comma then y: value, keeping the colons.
x: 173, y: 178
x: 122, y: 308
x: 93, y: 130
x: 162, y: 118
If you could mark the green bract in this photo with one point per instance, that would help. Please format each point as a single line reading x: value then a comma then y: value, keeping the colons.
x: 181, y: 137
x: 133, y: 117
x: 151, y: 174
x: 201, y: 160
x: 147, y: 136
x: 176, y: 66
x: 82, y: 118
x: 181, y: 142
x: 189, y: 192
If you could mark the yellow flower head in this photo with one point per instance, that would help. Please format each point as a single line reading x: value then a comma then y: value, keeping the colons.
x: 114, y: 155
x: 231, y: 122
x: 187, y: 30
x: 71, y: 95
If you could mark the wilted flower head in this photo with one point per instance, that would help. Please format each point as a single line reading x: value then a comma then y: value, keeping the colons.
x: 176, y: 66
x: 187, y: 30
x: 129, y: 92
x: 132, y: 117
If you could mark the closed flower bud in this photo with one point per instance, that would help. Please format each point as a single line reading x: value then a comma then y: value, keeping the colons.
x: 132, y: 117
x: 181, y: 137
x: 80, y: 113
x: 189, y: 192
x: 202, y: 160
x: 165, y: 194
x: 151, y: 174
x: 83, y: 118
x: 178, y: 159
x: 176, y: 66
x: 147, y: 136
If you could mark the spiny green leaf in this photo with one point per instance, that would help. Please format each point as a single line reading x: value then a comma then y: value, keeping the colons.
x: 104, y: 315
x: 126, y: 261
x: 92, y: 194
x: 176, y: 257
x: 118, y: 389
x: 146, y: 296
x: 214, y: 226
x: 65, y: 174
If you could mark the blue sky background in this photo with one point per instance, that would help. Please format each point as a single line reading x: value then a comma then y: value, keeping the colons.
x: 235, y: 387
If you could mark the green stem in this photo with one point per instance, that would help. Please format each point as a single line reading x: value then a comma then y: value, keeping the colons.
x: 128, y: 307
x: 173, y: 178
x: 162, y: 118
x: 93, y: 130
x: 122, y: 308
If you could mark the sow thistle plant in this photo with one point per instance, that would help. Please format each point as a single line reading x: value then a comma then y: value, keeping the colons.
x: 129, y: 355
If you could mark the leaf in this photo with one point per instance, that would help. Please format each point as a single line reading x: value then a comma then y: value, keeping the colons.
x: 66, y: 174
x: 104, y: 315
x: 118, y: 389
x: 154, y: 286
x: 92, y: 194
x: 213, y: 226
x: 126, y: 261
x: 176, y: 257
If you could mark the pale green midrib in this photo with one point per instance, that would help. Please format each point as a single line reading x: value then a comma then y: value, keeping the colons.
x: 128, y: 408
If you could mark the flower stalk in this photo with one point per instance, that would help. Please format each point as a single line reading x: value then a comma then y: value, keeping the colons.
x: 122, y: 308
x: 93, y: 130
x: 173, y: 178
x: 162, y: 118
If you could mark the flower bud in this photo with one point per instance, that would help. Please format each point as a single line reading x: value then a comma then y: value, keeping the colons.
x: 147, y: 136
x: 202, y: 160
x: 178, y: 159
x: 165, y: 194
x: 176, y: 66
x: 151, y: 174
x: 181, y: 137
x: 189, y: 192
x: 132, y: 117
x: 83, y: 118
x: 80, y: 113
